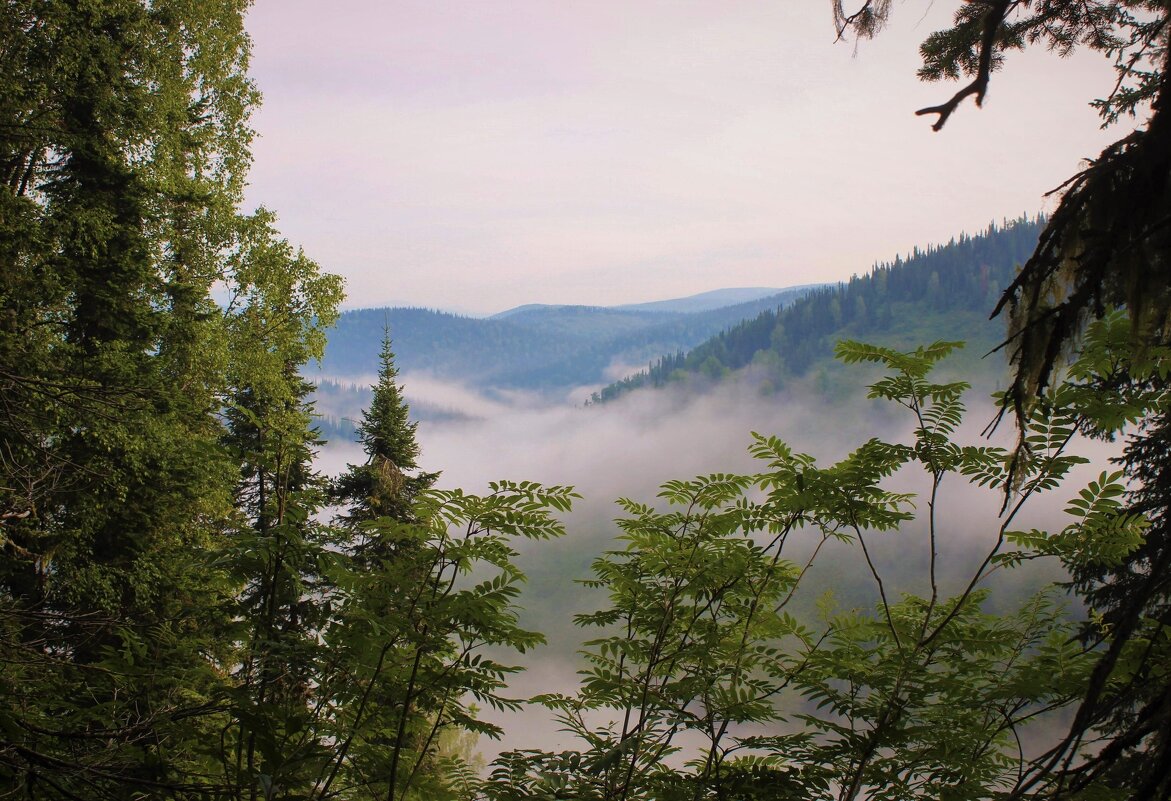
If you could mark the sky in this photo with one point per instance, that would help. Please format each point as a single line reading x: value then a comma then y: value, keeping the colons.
x: 476, y: 155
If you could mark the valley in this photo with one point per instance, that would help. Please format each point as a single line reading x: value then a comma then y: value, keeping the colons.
x: 597, y: 401
x: 661, y: 426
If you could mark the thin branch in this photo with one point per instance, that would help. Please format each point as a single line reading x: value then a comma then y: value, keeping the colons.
x: 993, y: 19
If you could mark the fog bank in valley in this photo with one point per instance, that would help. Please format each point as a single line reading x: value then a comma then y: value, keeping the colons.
x: 629, y: 447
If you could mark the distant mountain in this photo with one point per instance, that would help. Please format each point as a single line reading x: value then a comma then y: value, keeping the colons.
x: 943, y: 292
x: 704, y: 301
x: 715, y: 299
x: 528, y: 307
x: 533, y: 347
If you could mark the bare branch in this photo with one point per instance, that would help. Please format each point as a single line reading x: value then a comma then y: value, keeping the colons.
x: 993, y: 20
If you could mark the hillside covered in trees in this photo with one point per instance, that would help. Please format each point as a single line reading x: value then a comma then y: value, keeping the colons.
x: 533, y: 347
x: 940, y: 292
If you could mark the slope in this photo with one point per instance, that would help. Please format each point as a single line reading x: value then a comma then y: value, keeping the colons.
x: 942, y: 292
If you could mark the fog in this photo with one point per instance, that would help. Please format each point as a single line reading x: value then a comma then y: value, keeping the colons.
x: 629, y: 447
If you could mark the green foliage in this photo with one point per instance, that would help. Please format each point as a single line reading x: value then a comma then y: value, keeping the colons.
x: 1120, y: 381
x: 123, y: 146
x: 279, y: 553
x: 177, y: 621
x: 420, y: 625
x: 702, y: 683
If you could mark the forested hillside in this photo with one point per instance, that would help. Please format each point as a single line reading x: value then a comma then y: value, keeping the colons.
x: 941, y: 292
x: 534, y: 347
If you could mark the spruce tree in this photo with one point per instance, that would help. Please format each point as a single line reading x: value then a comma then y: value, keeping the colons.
x: 280, y: 550
x: 392, y: 582
x: 390, y: 480
x: 121, y: 143
x: 123, y: 151
x: 411, y: 625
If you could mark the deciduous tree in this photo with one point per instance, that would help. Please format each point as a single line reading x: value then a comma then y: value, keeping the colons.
x: 1106, y: 246
x: 703, y: 683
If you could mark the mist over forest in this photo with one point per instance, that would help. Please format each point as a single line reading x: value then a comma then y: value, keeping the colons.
x: 631, y: 446
x: 692, y: 412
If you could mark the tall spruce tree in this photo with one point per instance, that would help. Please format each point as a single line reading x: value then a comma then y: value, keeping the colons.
x: 120, y: 135
x: 279, y: 553
x: 412, y: 622
x: 123, y: 148
x: 276, y: 548
x: 390, y: 480
x: 394, y: 575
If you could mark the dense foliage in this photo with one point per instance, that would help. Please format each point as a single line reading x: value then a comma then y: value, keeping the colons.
x: 176, y: 619
x: 124, y: 144
x: 1105, y: 246
x: 702, y: 683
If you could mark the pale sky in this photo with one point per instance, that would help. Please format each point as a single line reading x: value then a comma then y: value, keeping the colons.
x: 474, y: 155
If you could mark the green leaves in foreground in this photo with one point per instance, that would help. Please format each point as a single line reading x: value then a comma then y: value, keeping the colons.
x: 419, y: 636
x: 708, y: 676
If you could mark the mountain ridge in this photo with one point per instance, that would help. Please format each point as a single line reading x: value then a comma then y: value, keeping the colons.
x: 540, y: 347
x: 940, y: 292
x: 701, y: 301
